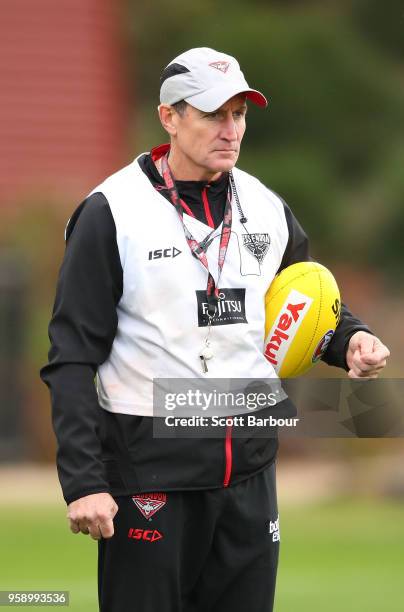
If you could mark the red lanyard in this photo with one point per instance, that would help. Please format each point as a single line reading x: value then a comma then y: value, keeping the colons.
x: 197, y: 248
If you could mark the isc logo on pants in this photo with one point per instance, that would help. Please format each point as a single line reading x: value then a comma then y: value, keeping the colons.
x: 149, y: 535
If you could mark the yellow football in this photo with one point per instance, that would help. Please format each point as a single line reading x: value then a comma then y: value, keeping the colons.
x: 302, y: 310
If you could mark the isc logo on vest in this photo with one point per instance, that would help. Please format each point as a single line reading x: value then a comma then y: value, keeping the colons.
x: 159, y: 253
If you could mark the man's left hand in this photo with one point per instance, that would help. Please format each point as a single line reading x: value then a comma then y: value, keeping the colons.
x: 366, y: 355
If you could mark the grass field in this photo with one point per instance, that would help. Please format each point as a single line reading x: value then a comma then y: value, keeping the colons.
x: 342, y: 556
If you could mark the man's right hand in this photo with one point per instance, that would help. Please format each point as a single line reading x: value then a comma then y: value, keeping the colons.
x: 93, y: 514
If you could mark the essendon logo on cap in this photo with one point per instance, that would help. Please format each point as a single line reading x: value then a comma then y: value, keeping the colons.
x: 149, y: 503
x: 222, y: 66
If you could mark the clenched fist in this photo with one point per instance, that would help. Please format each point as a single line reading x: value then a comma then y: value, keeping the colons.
x: 93, y: 514
x: 366, y: 355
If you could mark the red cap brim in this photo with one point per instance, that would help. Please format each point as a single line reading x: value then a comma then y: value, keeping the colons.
x: 257, y: 97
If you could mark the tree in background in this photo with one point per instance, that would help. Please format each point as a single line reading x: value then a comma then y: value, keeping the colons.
x: 331, y: 141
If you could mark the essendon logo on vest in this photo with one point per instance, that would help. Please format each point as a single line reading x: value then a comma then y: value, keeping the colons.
x: 147, y: 535
x: 257, y: 245
x: 230, y: 307
x: 149, y: 503
x: 281, y: 336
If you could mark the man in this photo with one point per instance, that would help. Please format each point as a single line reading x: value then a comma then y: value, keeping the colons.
x: 152, y: 255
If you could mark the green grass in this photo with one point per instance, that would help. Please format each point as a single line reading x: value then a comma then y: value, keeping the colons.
x: 342, y: 556
x: 38, y: 551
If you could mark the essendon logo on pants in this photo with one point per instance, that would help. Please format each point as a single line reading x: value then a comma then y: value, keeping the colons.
x: 148, y: 535
x: 149, y: 503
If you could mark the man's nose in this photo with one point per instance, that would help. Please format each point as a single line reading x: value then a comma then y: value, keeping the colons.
x: 229, y: 128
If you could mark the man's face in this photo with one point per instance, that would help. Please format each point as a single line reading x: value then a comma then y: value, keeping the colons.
x: 210, y: 142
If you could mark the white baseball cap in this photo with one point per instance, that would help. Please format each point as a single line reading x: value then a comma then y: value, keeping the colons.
x: 206, y: 79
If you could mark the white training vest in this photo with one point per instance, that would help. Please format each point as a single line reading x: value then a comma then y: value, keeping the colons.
x: 161, y: 314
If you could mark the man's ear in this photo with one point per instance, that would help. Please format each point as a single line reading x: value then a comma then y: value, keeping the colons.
x: 168, y: 118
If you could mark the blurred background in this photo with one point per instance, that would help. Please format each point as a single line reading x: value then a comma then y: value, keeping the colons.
x: 78, y: 97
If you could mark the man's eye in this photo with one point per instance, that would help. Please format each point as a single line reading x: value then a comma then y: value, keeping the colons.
x: 212, y: 115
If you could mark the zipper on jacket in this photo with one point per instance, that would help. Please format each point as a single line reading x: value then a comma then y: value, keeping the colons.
x: 206, y: 207
x: 228, y: 455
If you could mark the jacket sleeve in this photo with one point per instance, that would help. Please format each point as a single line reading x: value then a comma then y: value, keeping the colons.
x: 81, y: 332
x: 297, y: 249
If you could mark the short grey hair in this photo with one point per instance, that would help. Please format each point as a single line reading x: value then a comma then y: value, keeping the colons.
x: 180, y: 107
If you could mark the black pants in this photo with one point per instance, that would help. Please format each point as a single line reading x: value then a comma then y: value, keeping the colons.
x: 193, y: 551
